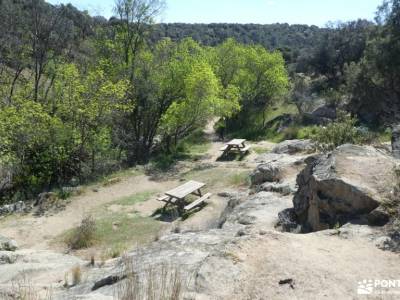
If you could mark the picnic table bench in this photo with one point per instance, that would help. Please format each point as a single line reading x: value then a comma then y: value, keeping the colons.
x: 177, y: 196
x: 235, y: 145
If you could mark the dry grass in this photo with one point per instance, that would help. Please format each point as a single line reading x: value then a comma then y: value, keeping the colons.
x: 162, y: 282
x: 24, y: 289
x: 76, y: 275
x: 110, y: 233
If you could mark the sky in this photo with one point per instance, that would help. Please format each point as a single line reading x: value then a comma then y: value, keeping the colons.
x: 311, y: 12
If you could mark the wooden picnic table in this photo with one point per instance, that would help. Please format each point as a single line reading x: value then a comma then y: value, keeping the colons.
x: 177, y: 195
x: 190, y: 187
x: 235, y: 145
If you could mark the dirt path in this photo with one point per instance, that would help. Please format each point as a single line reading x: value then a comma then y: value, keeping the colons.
x: 36, y: 232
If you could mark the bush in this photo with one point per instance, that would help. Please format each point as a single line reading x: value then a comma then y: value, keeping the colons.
x: 83, y: 236
x: 342, y: 131
x: 308, y: 132
x: 63, y: 193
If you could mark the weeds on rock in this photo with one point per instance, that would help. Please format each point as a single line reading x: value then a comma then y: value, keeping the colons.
x: 161, y: 282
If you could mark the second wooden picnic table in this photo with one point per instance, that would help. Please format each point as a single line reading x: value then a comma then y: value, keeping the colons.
x: 235, y: 145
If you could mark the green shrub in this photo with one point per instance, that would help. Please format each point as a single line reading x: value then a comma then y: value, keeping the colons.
x: 63, y: 193
x: 308, y: 132
x: 342, y: 131
x: 84, y: 235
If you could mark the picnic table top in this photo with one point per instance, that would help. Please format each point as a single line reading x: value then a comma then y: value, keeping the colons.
x: 236, y: 142
x: 183, y: 190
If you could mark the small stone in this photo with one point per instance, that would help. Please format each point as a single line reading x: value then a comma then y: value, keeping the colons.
x: 7, y: 244
x: 7, y: 257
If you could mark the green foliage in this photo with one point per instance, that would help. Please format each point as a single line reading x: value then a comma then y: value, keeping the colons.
x: 256, y: 75
x: 342, y: 131
x: 202, y: 100
x: 293, y: 40
x: 267, y: 124
x: 63, y: 194
x: 373, y: 83
x: 191, y: 147
x: 49, y: 143
x: 308, y: 132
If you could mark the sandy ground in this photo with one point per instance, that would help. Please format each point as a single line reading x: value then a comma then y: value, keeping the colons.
x: 320, y: 267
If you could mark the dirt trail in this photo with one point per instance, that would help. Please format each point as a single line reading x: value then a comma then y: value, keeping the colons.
x: 36, y: 232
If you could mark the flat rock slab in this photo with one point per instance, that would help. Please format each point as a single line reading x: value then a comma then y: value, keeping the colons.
x: 294, y: 146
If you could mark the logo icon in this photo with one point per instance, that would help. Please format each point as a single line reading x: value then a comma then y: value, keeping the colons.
x: 365, y: 287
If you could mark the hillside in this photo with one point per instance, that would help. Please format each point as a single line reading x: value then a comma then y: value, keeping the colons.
x: 146, y: 161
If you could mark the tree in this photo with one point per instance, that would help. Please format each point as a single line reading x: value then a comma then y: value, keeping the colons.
x: 342, y: 44
x: 47, y: 144
x: 202, y: 99
x: 258, y: 75
x: 374, y: 83
x: 174, y: 91
x: 50, y: 33
x: 301, y: 91
x: 14, y: 54
x: 134, y: 18
x: 85, y: 104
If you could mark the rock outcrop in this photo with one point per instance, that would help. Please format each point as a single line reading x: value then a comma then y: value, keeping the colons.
x: 6, y: 178
x: 396, y: 141
x: 294, y: 146
x: 14, y: 208
x: 270, y: 172
x: 31, y: 270
x: 321, y: 115
x: 351, y: 182
x: 273, y: 167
